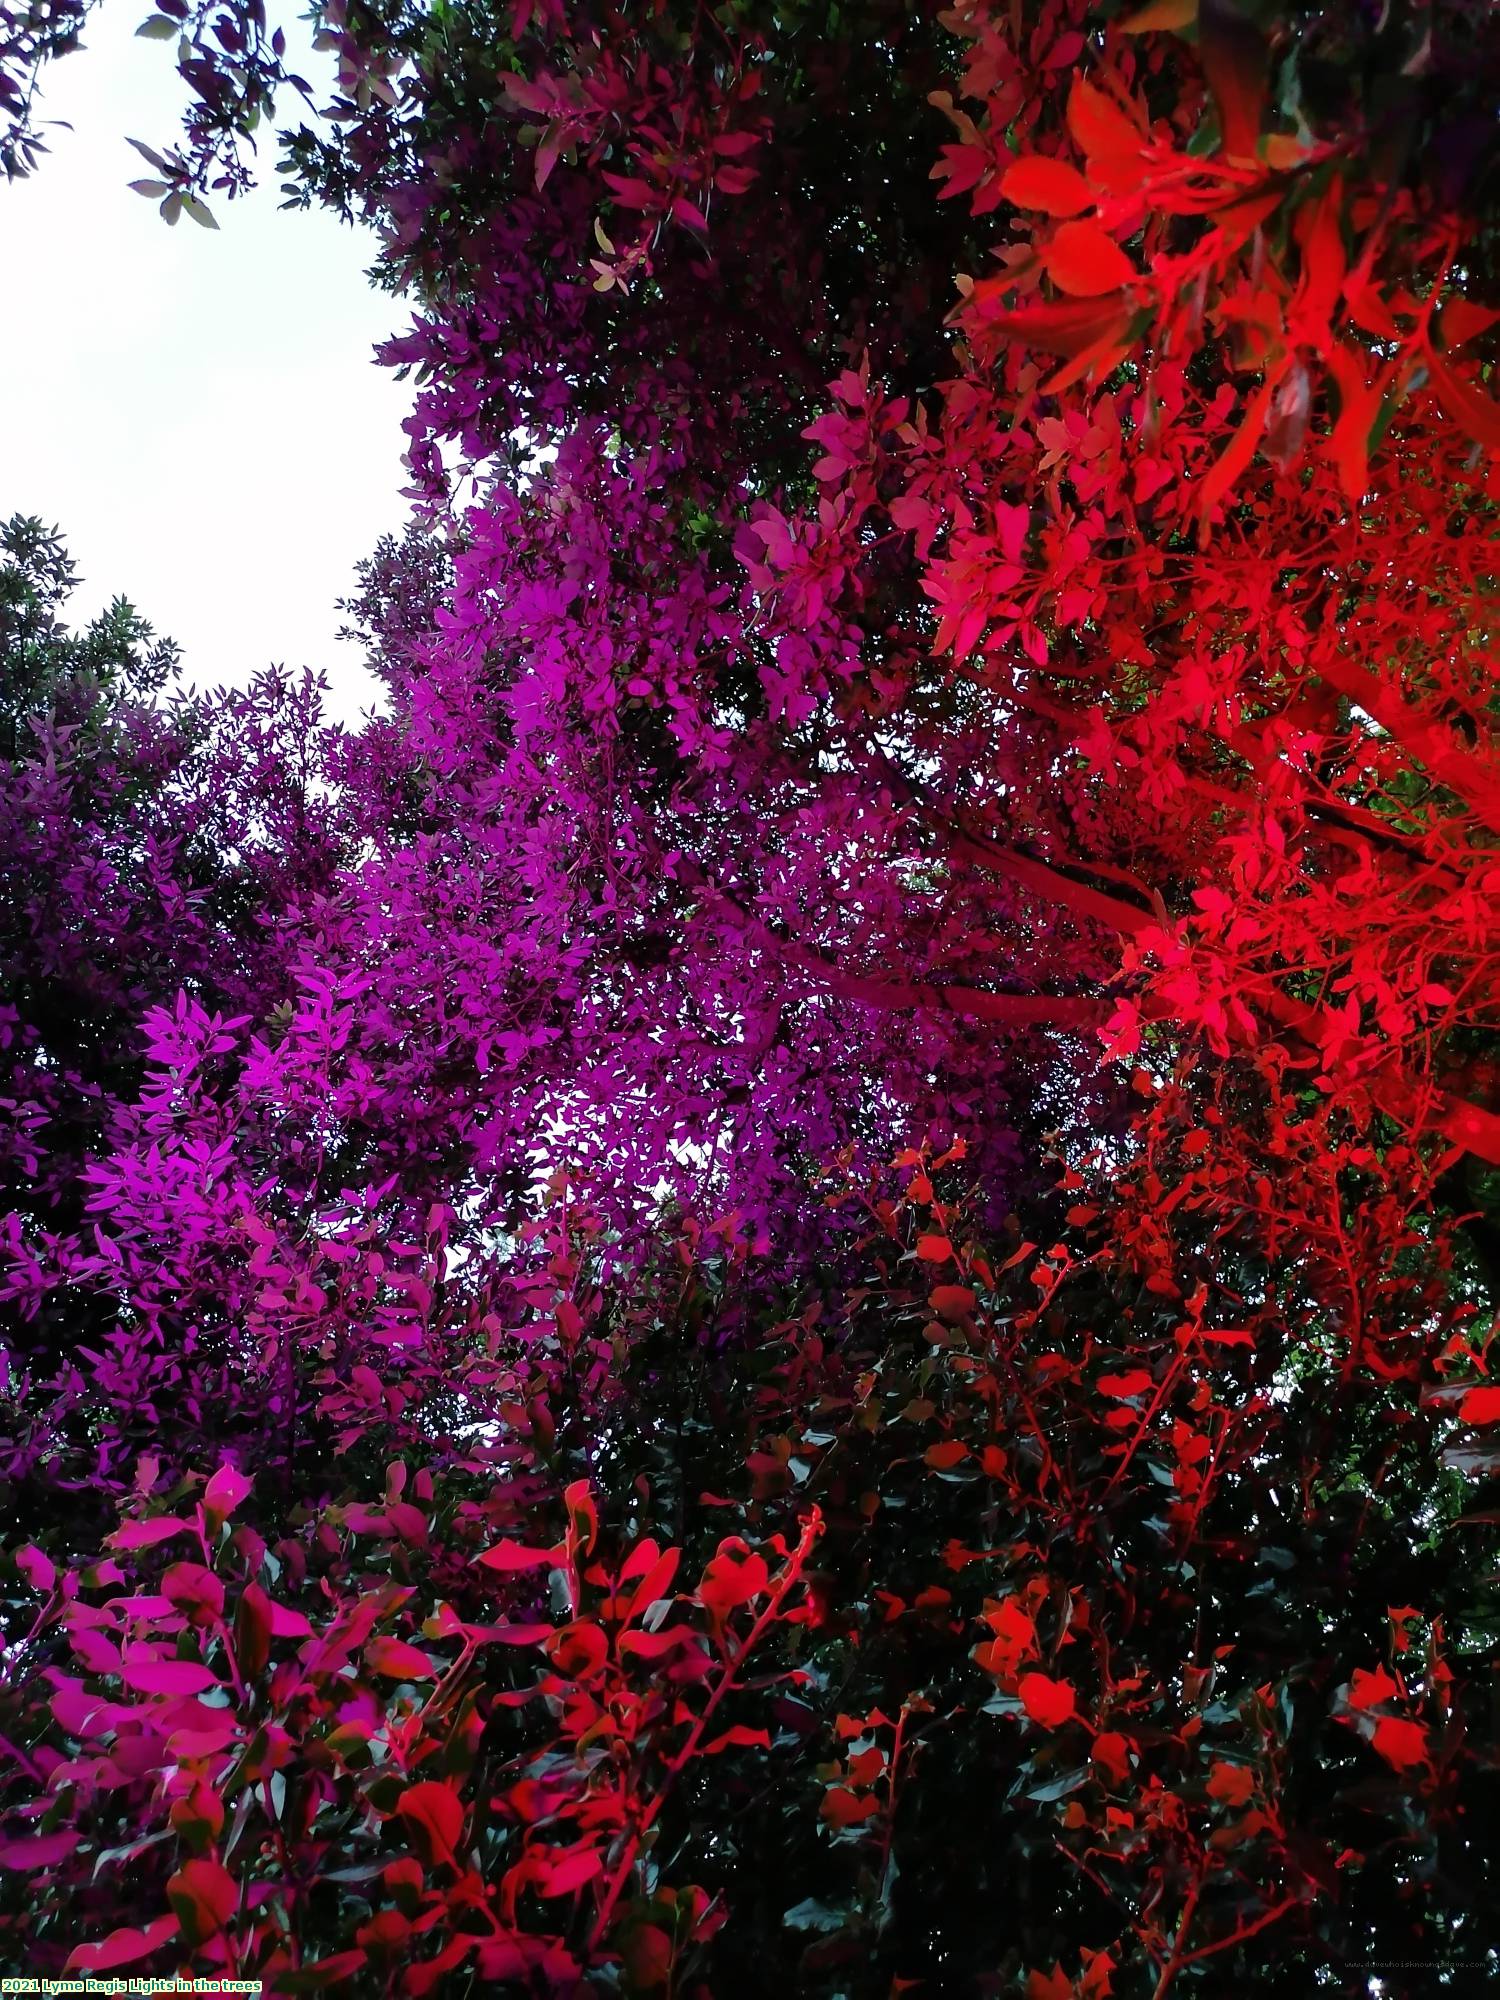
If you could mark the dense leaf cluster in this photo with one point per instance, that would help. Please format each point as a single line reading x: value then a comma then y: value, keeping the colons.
x: 791, y: 1283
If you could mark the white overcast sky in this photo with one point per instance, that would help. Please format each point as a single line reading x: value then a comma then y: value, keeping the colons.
x: 197, y: 411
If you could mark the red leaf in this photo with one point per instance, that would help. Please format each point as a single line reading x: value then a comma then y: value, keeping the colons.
x: 204, y: 1896
x: 142, y: 1534
x: 1086, y: 263
x: 1134, y: 1382
x: 37, y: 1850
x: 1231, y: 1784
x: 1069, y: 327
x: 951, y: 1301
x: 1368, y: 1690
x: 578, y: 1651
x: 583, y: 1515
x: 1462, y: 320
x: 656, y: 1583
x: 1160, y: 15
x: 739, y: 1737
x: 122, y: 1947
x: 569, y: 1872
x: 436, y: 1816
x: 733, y: 1577
x: 1101, y: 128
x: 845, y: 1808
x: 934, y: 1249
x: 193, y: 1589
x: 943, y: 1457
x: 1220, y: 476
x: 39, y: 1570
x: 1476, y: 413
x: 1402, y: 1744
x: 1049, y: 185
x: 1481, y: 1406
x: 223, y: 1494
x: 1045, y: 1700
x: 167, y: 1677
x: 514, y: 1556
x: 252, y: 1631
x: 647, y: 1952
x: 1111, y: 1752
x: 399, y: 1660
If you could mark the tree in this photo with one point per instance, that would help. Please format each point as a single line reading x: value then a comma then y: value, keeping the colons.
x: 152, y: 854
x: 716, y: 1443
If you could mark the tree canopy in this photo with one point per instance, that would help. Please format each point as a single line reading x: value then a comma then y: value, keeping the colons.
x: 792, y: 1281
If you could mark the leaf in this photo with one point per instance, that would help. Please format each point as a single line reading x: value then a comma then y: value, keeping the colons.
x: 38, y: 1569
x: 1085, y: 262
x: 1481, y: 1406
x: 1068, y: 327
x: 583, y: 1515
x: 1477, y: 414
x: 1237, y: 454
x: 228, y: 1486
x: 193, y: 1589
x: 155, y: 159
x: 1171, y: 16
x: 1047, y: 1701
x: 511, y: 1556
x: 738, y: 1738
x: 934, y: 1249
x: 157, y: 28
x: 199, y: 211
x: 842, y: 1808
x: 943, y: 1457
x: 204, y: 1897
x: 810, y: 1915
x: 1102, y: 130
x: 569, y: 1872
x: 1111, y: 1755
x: 1369, y: 1689
x: 122, y: 1947
x: 1235, y: 60
x: 1231, y: 1784
x: 167, y: 1677
x: 1359, y: 407
x: 37, y: 1850
x: 647, y: 1952
x: 1049, y: 185
x: 1053, y: 1789
x: 398, y: 1660
x: 951, y: 1302
x: 1132, y: 1382
x: 145, y: 1534
x: 1462, y: 320
x: 435, y: 1815
x: 1402, y: 1744
x: 252, y: 1631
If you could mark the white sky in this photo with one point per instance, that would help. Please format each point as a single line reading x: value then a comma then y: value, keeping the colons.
x: 198, y: 411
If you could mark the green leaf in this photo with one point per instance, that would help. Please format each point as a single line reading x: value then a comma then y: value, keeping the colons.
x: 198, y: 211
x: 814, y: 1916
x: 158, y: 29
x: 1058, y: 1788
